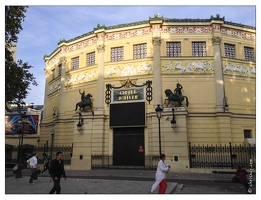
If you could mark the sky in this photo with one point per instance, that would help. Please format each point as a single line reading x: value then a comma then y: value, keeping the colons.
x: 45, y: 25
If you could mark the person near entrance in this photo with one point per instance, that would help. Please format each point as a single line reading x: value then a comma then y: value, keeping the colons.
x: 160, y: 176
x: 56, y: 171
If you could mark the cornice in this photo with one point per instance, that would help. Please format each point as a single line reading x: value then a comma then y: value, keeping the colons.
x: 153, y: 20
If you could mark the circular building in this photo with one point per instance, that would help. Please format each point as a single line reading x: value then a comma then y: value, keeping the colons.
x: 123, y: 94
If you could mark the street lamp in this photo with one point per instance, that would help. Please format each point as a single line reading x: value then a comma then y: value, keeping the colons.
x: 158, y: 112
x: 173, y: 121
x: 80, y: 123
x: 19, y: 170
x: 225, y: 104
x: 55, y: 109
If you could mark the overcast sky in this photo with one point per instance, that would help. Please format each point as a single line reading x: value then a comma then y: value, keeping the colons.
x: 44, y: 26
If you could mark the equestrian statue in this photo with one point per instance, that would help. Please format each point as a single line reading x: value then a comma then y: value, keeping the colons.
x: 85, y: 101
x: 176, y: 96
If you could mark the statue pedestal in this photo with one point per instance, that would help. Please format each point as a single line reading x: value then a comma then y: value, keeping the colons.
x: 169, y: 109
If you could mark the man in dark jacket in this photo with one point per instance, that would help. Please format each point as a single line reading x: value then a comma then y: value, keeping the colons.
x: 57, y: 171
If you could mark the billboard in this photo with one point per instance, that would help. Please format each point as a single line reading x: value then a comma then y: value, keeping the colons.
x: 14, y: 124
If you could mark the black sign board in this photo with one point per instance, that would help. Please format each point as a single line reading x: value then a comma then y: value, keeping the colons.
x: 128, y: 114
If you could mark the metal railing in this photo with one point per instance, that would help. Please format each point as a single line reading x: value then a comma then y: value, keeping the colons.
x: 11, y: 153
x: 222, y: 156
x: 106, y: 162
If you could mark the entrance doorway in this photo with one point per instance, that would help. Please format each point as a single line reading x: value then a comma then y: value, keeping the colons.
x: 128, y: 146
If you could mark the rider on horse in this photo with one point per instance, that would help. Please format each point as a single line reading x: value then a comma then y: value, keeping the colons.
x: 178, y: 92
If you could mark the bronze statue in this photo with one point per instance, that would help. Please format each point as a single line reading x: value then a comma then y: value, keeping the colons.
x: 85, y: 101
x: 176, y: 96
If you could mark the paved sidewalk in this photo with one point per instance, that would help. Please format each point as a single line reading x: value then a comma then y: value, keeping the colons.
x: 124, y: 182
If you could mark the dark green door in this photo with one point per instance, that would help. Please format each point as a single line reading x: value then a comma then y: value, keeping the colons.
x: 128, y: 146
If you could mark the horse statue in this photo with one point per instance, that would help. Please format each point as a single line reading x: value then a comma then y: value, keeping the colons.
x: 86, y: 101
x: 177, y: 96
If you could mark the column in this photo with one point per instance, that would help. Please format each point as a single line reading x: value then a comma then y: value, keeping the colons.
x: 62, y: 87
x: 157, y: 82
x: 100, y: 84
x: 219, y: 80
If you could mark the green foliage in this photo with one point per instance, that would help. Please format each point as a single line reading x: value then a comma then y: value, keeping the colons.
x: 17, y: 75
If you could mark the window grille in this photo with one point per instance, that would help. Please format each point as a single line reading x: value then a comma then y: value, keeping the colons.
x: 247, y: 133
x: 90, y: 59
x: 199, y: 49
x: 229, y: 51
x: 117, y: 54
x: 60, y: 69
x: 173, y: 49
x: 53, y: 73
x: 140, y: 51
x: 249, y: 53
x: 75, y: 63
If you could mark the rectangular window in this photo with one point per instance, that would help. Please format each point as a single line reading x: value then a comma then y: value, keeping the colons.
x: 60, y: 69
x: 173, y: 49
x: 53, y: 74
x: 140, y: 51
x: 247, y: 133
x: 249, y: 53
x: 117, y: 54
x: 229, y: 51
x: 90, y: 60
x: 199, y: 49
x: 75, y: 63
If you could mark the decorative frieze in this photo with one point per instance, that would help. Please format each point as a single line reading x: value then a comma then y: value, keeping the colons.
x: 239, y: 69
x: 239, y: 34
x: 54, y: 86
x: 191, y: 67
x: 81, y: 77
x: 128, y: 70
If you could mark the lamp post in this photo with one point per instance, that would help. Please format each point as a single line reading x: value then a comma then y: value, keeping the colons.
x: 225, y: 104
x: 173, y: 121
x: 19, y: 170
x: 80, y: 123
x: 158, y: 112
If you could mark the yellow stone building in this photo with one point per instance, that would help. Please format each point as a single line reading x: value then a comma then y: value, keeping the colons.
x: 127, y: 68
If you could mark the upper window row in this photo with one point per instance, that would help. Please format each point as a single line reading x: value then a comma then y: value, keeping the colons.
x: 173, y: 49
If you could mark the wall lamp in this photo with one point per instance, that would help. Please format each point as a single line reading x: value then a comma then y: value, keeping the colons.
x: 55, y: 109
x: 173, y: 121
x: 225, y: 104
x: 80, y: 123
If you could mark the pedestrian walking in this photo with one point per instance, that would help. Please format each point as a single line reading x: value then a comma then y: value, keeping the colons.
x: 47, y: 161
x: 160, y: 176
x: 242, y: 174
x: 33, y: 165
x: 57, y: 171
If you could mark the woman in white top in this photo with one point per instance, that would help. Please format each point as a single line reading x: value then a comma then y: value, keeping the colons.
x: 160, y: 177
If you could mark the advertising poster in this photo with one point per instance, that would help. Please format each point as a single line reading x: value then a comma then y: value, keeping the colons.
x: 14, y: 124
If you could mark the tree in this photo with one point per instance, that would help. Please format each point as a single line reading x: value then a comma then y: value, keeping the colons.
x: 17, y: 75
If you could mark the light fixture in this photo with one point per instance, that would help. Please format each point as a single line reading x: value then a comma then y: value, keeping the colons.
x: 158, y: 112
x: 55, y: 109
x: 173, y: 121
x: 80, y: 123
x: 225, y: 103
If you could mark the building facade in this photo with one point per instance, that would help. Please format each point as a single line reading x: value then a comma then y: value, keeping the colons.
x: 123, y: 72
